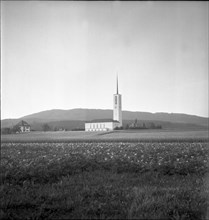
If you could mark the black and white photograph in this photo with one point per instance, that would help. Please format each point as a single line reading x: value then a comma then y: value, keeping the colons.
x: 104, y: 110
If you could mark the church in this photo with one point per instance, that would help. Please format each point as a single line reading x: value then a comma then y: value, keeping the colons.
x: 108, y: 124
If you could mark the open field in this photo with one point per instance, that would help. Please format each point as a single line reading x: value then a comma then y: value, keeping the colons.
x: 124, y: 135
x: 105, y: 180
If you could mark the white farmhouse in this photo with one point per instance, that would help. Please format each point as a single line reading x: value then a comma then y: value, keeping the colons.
x: 22, y: 127
x: 108, y: 124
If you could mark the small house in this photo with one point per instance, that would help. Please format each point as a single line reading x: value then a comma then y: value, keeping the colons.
x: 22, y: 126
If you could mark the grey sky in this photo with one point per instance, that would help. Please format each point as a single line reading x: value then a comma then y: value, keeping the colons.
x: 64, y: 55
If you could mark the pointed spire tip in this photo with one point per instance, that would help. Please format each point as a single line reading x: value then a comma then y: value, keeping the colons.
x: 117, y: 83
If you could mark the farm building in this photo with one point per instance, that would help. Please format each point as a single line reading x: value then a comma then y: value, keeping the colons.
x: 22, y: 126
x: 108, y: 124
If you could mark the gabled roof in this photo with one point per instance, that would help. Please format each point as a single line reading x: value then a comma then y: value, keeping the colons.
x: 22, y: 123
x: 102, y: 120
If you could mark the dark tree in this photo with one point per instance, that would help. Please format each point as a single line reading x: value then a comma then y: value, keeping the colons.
x: 15, y: 129
x: 152, y: 125
x: 46, y: 127
x: 135, y: 123
x: 6, y: 131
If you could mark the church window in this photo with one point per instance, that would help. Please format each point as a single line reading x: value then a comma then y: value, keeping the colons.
x: 115, y: 99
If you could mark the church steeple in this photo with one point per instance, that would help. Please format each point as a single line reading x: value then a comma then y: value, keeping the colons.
x: 117, y: 106
x: 117, y: 84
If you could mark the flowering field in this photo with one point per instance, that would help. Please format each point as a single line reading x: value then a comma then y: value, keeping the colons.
x: 105, y: 180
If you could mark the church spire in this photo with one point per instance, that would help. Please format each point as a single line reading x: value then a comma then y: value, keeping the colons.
x: 117, y: 83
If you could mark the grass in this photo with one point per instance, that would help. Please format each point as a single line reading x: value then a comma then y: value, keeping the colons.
x: 108, y: 196
x: 124, y: 135
x: 107, y: 180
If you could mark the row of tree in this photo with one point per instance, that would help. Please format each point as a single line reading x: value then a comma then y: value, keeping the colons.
x: 139, y: 125
x: 16, y: 129
x: 46, y: 127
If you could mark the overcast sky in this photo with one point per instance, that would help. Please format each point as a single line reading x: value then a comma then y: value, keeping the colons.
x: 65, y: 55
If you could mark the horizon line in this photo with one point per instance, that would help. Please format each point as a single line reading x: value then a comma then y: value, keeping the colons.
x: 161, y: 112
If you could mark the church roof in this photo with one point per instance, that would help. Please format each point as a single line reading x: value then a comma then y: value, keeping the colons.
x: 22, y: 123
x: 102, y: 120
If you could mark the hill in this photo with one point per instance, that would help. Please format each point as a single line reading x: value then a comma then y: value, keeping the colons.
x: 75, y: 118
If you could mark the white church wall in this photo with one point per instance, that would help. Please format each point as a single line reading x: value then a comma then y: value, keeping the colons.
x: 100, y: 126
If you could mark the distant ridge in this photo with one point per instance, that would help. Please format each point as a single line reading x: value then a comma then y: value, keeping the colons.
x: 83, y: 115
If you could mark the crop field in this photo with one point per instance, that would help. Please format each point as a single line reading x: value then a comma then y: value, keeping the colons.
x: 105, y: 180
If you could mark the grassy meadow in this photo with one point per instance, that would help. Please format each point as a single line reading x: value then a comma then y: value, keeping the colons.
x: 115, y: 175
x: 123, y: 135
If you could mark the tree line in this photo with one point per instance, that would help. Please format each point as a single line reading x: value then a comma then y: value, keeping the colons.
x: 136, y: 124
